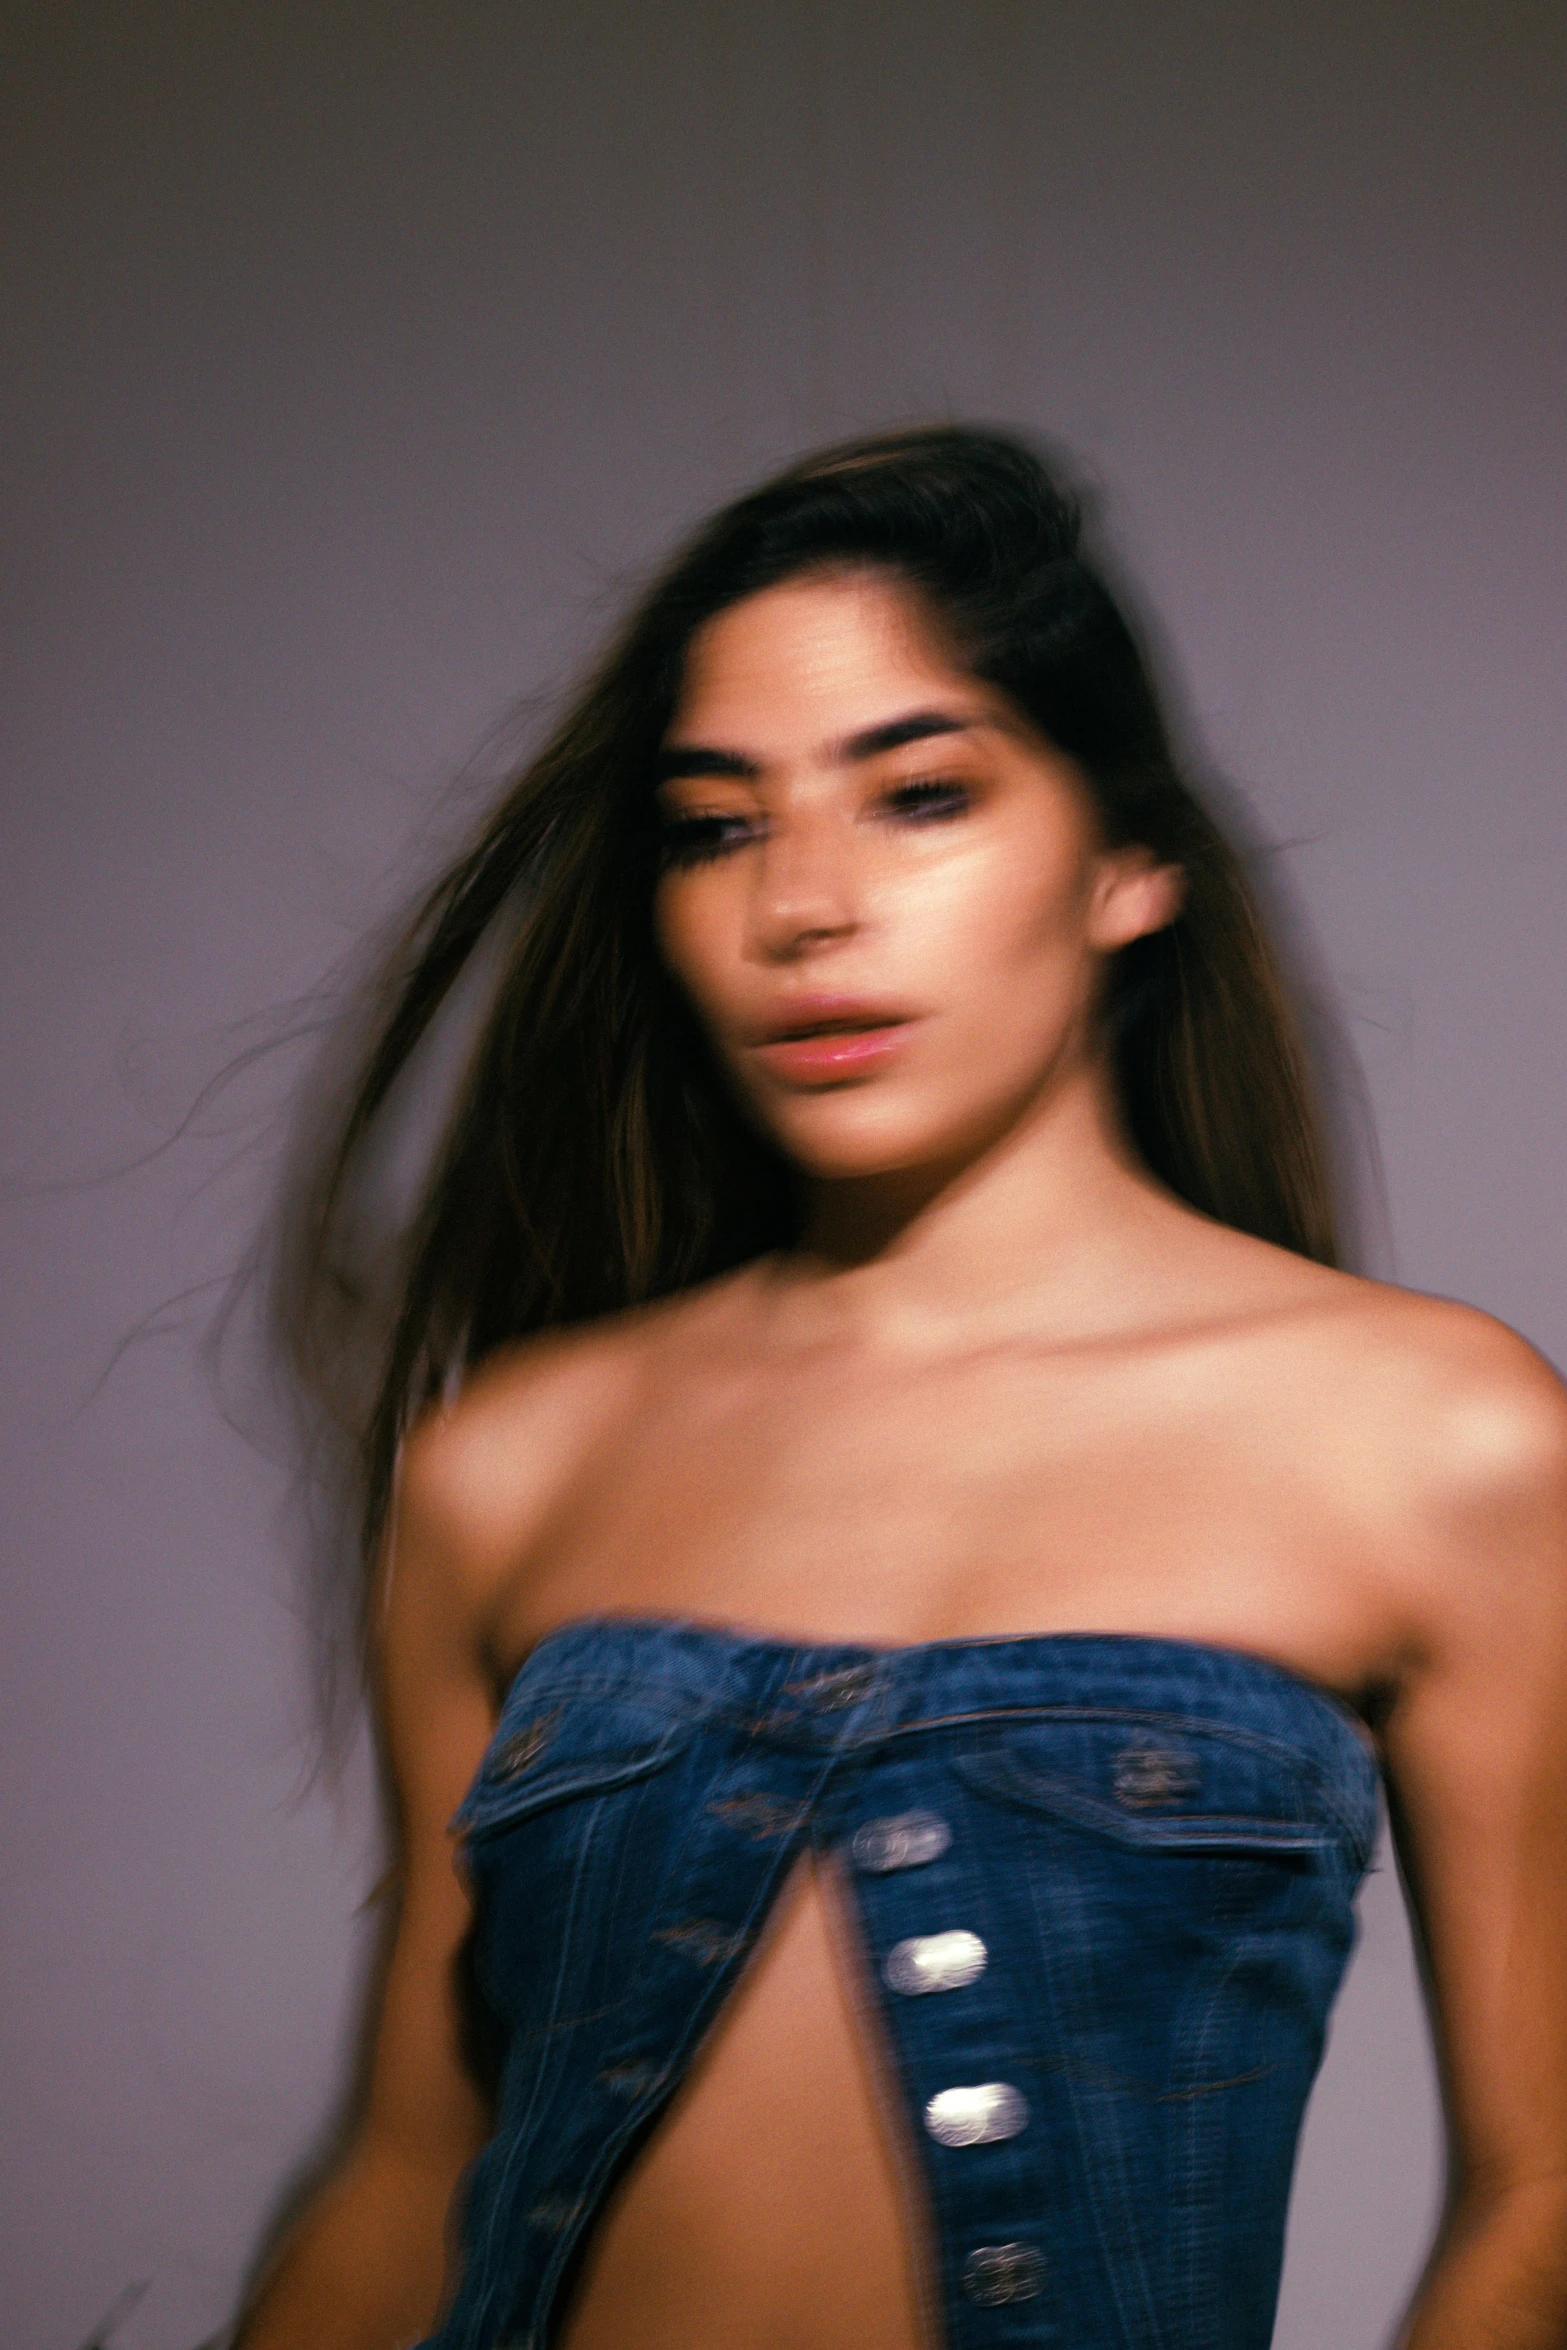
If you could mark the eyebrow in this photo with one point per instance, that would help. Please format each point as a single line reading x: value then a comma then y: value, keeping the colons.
x: 918, y: 726
x: 697, y: 759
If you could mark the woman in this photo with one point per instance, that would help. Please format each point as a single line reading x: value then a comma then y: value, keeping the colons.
x: 893, y: 1532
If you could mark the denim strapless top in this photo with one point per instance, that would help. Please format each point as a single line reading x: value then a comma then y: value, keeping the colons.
x: 1104, y: 1884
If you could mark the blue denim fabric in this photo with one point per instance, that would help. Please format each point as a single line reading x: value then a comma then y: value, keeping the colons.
x: 1156, y: 1842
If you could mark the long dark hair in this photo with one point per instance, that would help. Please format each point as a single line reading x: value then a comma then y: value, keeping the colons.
x: 591, y: 1157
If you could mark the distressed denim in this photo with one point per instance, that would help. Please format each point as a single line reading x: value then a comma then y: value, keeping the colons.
x: 1105, y: 1887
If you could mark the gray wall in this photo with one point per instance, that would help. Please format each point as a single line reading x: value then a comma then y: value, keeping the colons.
x: 353, y: 355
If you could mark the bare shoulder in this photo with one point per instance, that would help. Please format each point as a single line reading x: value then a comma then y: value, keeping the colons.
x: 1457, y: 1393
x: 482, y: 1473
x: 1458, y: 1428
x: 485, y: 1476
x: 1440, y: 1390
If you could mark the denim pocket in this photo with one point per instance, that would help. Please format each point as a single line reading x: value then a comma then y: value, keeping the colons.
x: 568, y: 1834
x: 563, y: 1745
x: 1148, y: 1785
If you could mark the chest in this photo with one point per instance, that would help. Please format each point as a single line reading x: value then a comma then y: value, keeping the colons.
x: 994, y: 1495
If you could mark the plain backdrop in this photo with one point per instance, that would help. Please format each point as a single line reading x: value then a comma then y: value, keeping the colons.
x: 354, y: 358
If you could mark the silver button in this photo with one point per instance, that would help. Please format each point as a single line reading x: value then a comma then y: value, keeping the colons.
x: 522, y: 1749
x: 977, y: 2116
x: 831, y: 1692
x: 995, y: 2274
x: 907, y: 1840
x: 934, y: 1962
x: 1144, y: 1774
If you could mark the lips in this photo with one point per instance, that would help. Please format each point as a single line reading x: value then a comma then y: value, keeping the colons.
x: 829, y: 1041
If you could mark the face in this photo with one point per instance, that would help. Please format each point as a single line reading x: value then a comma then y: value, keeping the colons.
x: 886, y: 897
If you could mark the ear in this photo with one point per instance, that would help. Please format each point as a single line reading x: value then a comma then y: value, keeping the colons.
x: 1133, y: 895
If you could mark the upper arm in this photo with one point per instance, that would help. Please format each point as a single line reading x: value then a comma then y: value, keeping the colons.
x: 364, y: 2264
x: 476, y: 1487
x: 1476, y: 1749
x: 436, y: 1711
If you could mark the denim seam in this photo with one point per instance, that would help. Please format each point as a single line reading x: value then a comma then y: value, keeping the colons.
x: 1090, y: 2143
x: 1203, y: 2117
x: 521, y: 2130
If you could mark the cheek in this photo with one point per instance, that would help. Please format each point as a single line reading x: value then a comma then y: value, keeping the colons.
x: 696, y: 937
x: 998, y: 919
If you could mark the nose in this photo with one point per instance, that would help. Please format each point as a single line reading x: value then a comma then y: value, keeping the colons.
x: 804, y: 894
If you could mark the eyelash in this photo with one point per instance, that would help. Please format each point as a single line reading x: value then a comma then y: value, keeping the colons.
x: 700, y: 838
x: 931, y: 798
x: 696, y: 839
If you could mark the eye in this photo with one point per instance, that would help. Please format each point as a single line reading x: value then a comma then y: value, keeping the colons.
x: 697, y: 838
x: 929, y: 799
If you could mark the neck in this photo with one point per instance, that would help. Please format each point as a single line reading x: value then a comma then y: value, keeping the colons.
x: 1042, y: 1217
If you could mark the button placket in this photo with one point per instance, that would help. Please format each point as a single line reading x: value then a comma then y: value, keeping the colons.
x: 992, y: 2276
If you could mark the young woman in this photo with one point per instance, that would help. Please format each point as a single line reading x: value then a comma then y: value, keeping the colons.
x: 892, y: 1538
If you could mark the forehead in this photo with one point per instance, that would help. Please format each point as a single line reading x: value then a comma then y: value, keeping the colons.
x: 817, y: 659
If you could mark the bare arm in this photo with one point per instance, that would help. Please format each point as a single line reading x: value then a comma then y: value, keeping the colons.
x: 363, y: 2269
x: 1477, y: 1754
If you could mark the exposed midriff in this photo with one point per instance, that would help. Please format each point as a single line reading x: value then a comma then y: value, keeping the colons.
x: 775, y: 2203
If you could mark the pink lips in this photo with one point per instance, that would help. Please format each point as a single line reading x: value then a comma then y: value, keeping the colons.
x: 825, y: 1042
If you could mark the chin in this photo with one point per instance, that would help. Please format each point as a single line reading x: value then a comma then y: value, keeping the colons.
x: 836, y: 1141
